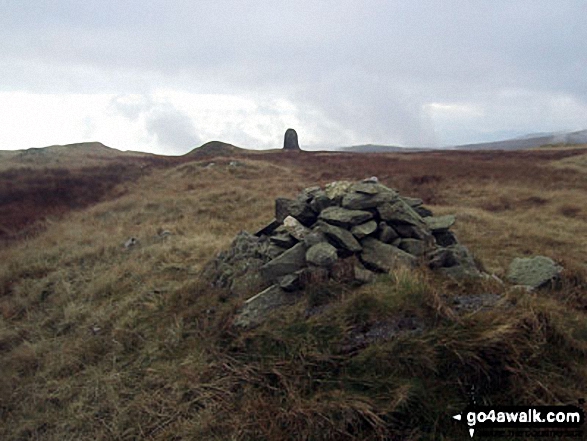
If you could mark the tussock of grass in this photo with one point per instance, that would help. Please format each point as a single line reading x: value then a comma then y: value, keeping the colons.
x: 102, y: 342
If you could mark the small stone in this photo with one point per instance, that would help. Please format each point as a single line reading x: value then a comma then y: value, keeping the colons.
x: 309, y: 193
x: 363, y: 275
x: 131, y: 243
x: 322, y: 254
x: 363, y: 230
x: 290, y: 140
x: 314, y: 237
x: 445, y: 238
x: 320, y: 202
x: 414, y: 232
x: 372, y: 179
x: 387, y: 234
x: 423, y: 211
x: 284, y: 240
x: 413, y: 246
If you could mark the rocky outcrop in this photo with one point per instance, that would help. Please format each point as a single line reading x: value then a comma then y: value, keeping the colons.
x: 356, y: 229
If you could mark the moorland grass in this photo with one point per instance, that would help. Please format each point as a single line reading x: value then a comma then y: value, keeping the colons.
x: 101, y: 342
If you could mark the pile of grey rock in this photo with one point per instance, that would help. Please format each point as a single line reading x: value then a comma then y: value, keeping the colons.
x: 347, y: 231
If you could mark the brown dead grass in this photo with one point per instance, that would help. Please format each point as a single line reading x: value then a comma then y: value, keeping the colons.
x: 101, y: 342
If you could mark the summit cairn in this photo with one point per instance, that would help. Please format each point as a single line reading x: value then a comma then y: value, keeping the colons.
x: 290, y: 140
x: 347, y: 232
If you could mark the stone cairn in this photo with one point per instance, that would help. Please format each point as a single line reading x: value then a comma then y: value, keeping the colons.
x: 346, y: 232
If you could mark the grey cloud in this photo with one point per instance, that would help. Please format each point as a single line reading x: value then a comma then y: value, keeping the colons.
x: 369, y: 66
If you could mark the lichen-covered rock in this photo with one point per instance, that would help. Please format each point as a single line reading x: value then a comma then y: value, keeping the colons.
x: 534, y: 272
x: 336, y: 190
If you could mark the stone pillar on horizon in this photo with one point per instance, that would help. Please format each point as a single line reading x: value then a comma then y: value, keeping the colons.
x: 290, y: 141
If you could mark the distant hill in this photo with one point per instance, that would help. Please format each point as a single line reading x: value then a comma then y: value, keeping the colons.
x: 377, y: 148
x: 78, y: 154
x: 519, y: 143
x: 529, y: 141
x: 214, y: 148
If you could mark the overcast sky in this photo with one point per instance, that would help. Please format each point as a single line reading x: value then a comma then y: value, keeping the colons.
x: 166, y: 76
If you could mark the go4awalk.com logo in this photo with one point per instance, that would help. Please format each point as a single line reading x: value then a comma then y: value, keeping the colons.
x: 538, y: 421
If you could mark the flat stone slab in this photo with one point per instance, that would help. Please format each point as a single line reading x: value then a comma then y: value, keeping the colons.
x: 534, y: 272
x: 383, y: 257
x: 359, y: 200
x: 343, y: 217
x: 363, y: 230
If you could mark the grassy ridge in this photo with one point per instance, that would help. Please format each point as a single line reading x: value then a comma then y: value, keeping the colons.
x: 100, y: 342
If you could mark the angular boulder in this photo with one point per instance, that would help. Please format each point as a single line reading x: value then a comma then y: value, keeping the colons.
x: 289, y: 262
